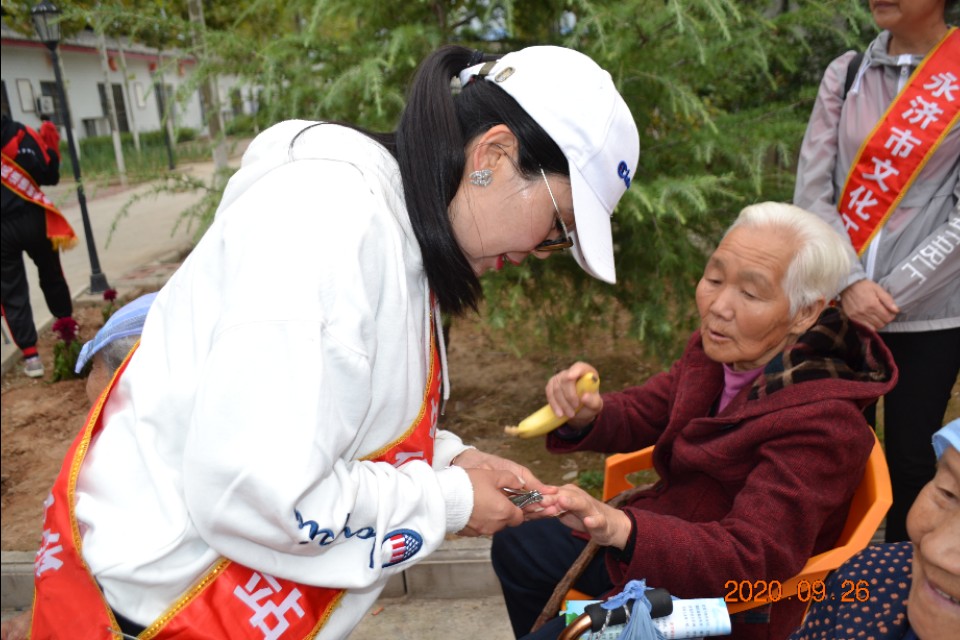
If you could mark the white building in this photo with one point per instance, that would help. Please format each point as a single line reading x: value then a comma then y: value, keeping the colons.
x: 29, y: 85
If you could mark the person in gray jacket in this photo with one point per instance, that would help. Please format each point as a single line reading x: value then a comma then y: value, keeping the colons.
x: 906, y: 283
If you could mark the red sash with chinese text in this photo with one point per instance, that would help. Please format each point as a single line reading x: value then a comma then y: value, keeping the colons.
x: 22, y: 184
x: 230, y: 601
x: 894, y: 153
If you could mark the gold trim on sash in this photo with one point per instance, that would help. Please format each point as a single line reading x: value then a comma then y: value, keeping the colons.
x: 79, y: 455
x: 423, y: 403
x: 322, y: 622
x: 151, y: 632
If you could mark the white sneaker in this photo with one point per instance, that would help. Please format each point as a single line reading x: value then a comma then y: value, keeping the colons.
x: 33, y: 367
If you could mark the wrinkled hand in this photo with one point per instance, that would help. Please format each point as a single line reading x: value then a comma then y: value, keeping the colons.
x: 562, y: 395
x: 867, y: 302
x: 476, y: 459
x: 492, y: 509
x: 17, y: 627
x: 608, y: 526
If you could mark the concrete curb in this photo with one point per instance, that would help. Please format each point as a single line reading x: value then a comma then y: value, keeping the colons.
x: 16, y: 579
x: 459, y: 569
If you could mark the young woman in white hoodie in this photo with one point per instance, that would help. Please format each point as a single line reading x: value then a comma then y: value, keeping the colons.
x: 269, y: 456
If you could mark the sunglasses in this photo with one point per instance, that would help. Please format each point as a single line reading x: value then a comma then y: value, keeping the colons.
x: 564, y: 241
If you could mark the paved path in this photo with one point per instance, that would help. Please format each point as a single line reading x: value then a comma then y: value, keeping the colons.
x: 423, y: 618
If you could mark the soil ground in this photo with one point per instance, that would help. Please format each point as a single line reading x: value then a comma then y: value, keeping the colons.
x: 491, y: 387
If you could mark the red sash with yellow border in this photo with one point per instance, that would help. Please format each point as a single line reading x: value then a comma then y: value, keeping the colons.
x: 230, y: 601
x: 22, y: 184
x: 894, y: 153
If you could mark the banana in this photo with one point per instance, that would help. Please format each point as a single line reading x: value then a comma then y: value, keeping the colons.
x: 545, y: 420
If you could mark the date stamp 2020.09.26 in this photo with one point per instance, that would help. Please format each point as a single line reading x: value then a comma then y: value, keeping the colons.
x: 764, y: 591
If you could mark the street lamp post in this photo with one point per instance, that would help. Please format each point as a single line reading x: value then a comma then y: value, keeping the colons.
x: 46, y: 20
x: 159, y: 90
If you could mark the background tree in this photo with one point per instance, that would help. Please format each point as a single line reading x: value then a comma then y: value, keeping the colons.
x: 721, y: 91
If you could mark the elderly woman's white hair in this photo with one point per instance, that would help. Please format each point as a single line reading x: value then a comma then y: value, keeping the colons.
x: 822, y: 260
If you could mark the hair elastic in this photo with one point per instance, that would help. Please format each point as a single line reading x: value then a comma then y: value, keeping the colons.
x: 475, y: 58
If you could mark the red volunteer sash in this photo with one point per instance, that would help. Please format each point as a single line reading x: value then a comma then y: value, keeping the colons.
x: 230, y: 601
x: 892, y: 156
x: 22, y: 184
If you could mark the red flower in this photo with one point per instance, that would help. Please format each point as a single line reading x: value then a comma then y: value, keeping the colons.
x: 66, y: 329
x: 110, y: 295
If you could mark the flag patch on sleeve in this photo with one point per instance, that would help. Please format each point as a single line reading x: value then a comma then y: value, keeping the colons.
x: 400, y: 545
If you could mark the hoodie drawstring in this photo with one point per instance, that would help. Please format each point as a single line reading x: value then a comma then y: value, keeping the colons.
x: 438, y: 327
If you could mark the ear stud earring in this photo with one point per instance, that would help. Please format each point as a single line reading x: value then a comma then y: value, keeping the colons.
x: 481, y: 178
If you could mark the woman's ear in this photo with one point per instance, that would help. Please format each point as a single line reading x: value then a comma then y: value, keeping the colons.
x: 806, y: 317
x: 488, y: 150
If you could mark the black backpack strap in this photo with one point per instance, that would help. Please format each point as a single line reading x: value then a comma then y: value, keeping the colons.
x: 852, y: 70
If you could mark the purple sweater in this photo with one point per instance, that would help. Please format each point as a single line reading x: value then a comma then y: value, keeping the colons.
x: 752, y: 492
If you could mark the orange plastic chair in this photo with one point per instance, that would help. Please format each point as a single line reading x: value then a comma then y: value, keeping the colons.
x: 621, y: 465
x: 870, y: 503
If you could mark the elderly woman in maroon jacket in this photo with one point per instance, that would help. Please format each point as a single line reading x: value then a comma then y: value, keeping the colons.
x: 760, y: 440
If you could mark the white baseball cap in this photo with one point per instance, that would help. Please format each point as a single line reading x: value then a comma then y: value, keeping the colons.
x: 577, y: 104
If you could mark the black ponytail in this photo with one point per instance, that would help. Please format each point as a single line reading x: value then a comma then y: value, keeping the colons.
x: 430, y: 150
